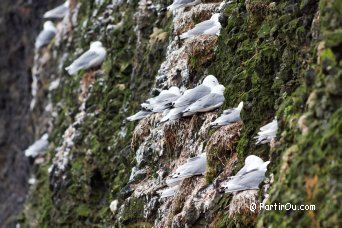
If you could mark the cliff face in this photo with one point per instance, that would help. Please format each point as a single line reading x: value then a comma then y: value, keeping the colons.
x: 281, y: 58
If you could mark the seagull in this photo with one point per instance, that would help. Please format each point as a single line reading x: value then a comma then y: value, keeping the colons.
x: 38, y: 147
x: 194, y: 166
x: 59, y: 11
x: 94, y: 57
x: 139, y: 115
x: 168, y: 191
x: 228, y: 116
x: 196, y: 93
x: 177, y: 4
x: 267, y: 132
x: 249, y: 177
x: 173, y: 114
x: 208, y: 27
x: 207, y: 103
x: 163, y: 100
x: 46, y: 35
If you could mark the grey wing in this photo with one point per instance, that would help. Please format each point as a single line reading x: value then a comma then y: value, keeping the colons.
x: 250, y: 179
x: 44, y: 38
x: 164, y: 98
x: 58, y: 12
x: 210, y: 100
x: 201, y: 27
x: 227, y: 111
x: 181, y: 2
x: 231, y: 118
x: 85, y: 59
x: 191, y: 97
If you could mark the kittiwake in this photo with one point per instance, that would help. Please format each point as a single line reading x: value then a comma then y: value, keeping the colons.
x: 177, y: 4
x: 208, y: 27
x: 194, y: 166
x: 196, y: 93
x: 207, y: 103
x: 94, y: 57
x: 163, y: 101
x: 248, y: 178
x: 228, y: 116
x: 46, y: 35
x: 38, y: 147
x: 168, y: 191
x: 139, y: 115
x: 59, y: 11
x: 267, y: 132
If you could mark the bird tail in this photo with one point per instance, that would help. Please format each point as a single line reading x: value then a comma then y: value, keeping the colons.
x: 72, y: 70
x: 184, y: 36
x: 231, y: 187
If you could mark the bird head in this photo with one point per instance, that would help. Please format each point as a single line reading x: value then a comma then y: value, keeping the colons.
x: 95, y: 44
x: 210, y: 81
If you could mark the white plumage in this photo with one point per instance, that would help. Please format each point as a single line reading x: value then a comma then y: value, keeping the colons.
x: 249, y: 177
x: 38, y: 147
x: 228, y: 116
x: 194, y: 166
x: 177, y: 4
x: 208, y: 27
x: 94, y: 57
x: 59, y: 11
x: 267, y: 132
x: 46, y: 35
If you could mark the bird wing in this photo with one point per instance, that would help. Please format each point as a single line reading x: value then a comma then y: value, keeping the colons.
x: 192, y: 96
x: 58, y: 12
x: 44, y: 38
x: 208, y: 101
x: 85, y: 59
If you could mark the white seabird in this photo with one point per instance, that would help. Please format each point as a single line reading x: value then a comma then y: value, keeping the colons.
x: 196, y: 93
x: 46, y: 35
x: 58, y: 12
x: 267, y: 132
x: 168, y: 191
x: 177, y: 4
x: 249, y: 177
x: 163, y: 101
x: 228, y: 116
x: 139, y: 115
x: 94, y: 57
x: 207, y: 103
x: 208, y: 27
x: 38, y: 147
x: 194, y: 166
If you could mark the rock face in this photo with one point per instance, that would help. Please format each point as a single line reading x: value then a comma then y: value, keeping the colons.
x: 281, y: 58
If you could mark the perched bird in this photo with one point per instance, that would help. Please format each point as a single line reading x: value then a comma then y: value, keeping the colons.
x: 196, y: 93
x: 163, y: 100
x: 59, y: 11
x: 168, y: 191
x: 252, y: 162
x: 46, y: 35
x: 267, y: 132
x: 207, y: 103
x: 173, y: 114
x: 39, y: 147
x: 94, y: 57
x: 208, y: 27
x: 249, y: 177
x: 139, y: 115
x: 177, y: 4
x: 194, y: 166
x: 228, y: 116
